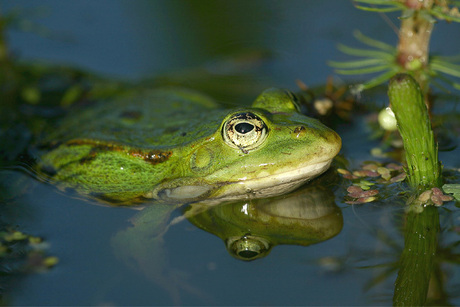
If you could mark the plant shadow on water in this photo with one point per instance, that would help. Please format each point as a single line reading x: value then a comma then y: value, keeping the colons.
x: 309, y: 247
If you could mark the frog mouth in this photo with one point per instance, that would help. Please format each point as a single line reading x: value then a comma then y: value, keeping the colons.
x: 262, y: 186
x: 274, y: 184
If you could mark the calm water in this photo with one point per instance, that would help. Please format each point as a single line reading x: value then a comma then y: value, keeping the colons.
x: 136, y: 39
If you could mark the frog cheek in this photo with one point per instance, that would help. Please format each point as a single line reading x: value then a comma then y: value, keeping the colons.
x: 201, y: 159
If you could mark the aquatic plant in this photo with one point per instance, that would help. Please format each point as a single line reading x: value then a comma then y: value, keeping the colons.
x: 411, y: 69
x: 423, y: 167
x: 411, y: 55
x: 415, y: 69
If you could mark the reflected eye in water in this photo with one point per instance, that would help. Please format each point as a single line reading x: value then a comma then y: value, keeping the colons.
x: 248, y: 247
x: 244, y: 131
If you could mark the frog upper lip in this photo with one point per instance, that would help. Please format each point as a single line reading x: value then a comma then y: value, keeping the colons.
x: 305, y: 172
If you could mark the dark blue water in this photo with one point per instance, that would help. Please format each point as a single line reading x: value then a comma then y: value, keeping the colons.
x: 136, y: 39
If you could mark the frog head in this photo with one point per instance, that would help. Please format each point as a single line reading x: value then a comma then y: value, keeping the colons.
x: 267, y: 149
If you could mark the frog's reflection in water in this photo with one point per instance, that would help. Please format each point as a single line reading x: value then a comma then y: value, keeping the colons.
x: 250, y: 229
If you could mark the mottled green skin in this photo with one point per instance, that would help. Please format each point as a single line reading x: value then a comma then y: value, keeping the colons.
x: 148, y: 145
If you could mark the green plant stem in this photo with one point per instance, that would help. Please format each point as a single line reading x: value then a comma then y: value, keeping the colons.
x: 417, y: 259
x: 406, y: 100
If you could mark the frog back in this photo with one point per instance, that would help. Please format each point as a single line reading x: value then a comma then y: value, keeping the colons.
x: 154, y: 119
x: 118, y: 150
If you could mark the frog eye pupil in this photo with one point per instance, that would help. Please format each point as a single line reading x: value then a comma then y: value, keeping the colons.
x: 248, y: 254
x: 244, y: 128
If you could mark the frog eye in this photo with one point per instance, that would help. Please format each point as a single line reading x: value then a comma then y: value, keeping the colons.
x: 244, y: 131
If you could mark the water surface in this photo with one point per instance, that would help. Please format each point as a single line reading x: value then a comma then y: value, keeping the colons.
x: 134, y: 40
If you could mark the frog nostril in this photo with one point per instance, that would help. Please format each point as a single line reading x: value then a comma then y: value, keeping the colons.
x: 299, y: 131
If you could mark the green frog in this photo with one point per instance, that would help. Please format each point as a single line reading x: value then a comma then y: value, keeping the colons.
x: 179, y: 146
